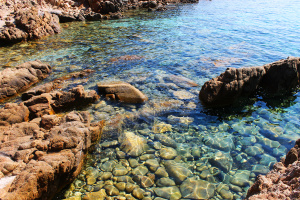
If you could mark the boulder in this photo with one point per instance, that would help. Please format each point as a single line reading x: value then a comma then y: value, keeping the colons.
x: 12, y: 113
x: 124, y: 92
x: 132, y: 144
x: 43, y: 161
x: 30, y: 23
x: 281, y: 182
x: 275, y: 78
x: 15, y: 80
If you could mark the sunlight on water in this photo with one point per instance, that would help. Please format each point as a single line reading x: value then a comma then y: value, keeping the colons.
x: 226, y: 148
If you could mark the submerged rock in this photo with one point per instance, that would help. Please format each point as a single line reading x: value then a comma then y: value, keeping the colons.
x: 178, y: 171
x: 123, y: 92
x: 168, y: 192
x: 197, y: 189
x: 274, y: 78
x: 132, y: 144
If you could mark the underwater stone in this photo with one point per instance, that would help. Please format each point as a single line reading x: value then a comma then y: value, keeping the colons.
x: 168, y: 192
x: 157, y: 145
x: 219, y: 142
x: 130, y: 187
x: 108, y: 166
x: 140, y: 170
x: 106, y: 175
x: 109, y: 144
x: 126, y: 179
x: 147, y: 156
x: 111, y: 190
x: 138, y: 193
x: 121, y: 154
x: 241, y: 178
x: 267, y: 160
x: 168, y: 153
x: 222, y: 161
x: 120, y: 186
x: 165, y: 182
x: 254, y: 150
x: 132, y: 144
x: 99, y: 195
x: 120, y: 171
x: 226, y: 194
x: 152, y: 164
x: 161, y: 172
x: 133, y: 162
x: 197, y: 189
x: 161, y: 128
x: 235, y: 188
x: 196, y: 152
x: 178, y: 171
x: 166, y: 140
x: 144, y: 181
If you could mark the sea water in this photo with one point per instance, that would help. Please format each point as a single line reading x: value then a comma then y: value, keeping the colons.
x: 165, y: 54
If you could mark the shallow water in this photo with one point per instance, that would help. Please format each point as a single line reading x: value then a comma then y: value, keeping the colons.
x: 198, y: 42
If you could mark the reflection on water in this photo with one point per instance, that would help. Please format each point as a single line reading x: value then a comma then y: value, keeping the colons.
x: 166, y: 55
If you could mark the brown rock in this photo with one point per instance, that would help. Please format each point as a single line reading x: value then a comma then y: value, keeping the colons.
x: 14, y: 80
x: 123, y: 92
x: 13, y: 113
x: 274, y: 78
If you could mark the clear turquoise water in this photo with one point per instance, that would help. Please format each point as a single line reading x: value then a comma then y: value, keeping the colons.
x: 197, y: 41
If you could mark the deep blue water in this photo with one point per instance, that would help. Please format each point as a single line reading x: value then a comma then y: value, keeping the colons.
x: 196, y: 41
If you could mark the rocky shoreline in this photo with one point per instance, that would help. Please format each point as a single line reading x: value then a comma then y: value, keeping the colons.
x: 34, y: 19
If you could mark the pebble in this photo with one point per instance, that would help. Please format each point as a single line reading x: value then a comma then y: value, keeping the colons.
x: 161, y: 172
x: 168, y: 192
x: 166, y: 140
x: 147, y: 156
x: 133, y: 162
x: 111, y: 190
x: 152, y: 164
x: 178, y: 171
x: 197, y: 189
x: 138, y: 193
x: 108, y: 166
x: 120, y: 186
x: 120, y: 171
x: 140, y: 170
x: 164, y: 182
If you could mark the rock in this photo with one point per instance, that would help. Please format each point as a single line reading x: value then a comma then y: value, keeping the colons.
x: 132, y: 144
x: 180, y: 81
x: 168, y: 192
x: 197, y: 189
x: 111, y: 190
x: 254, y: 150
x: 166, y: 140
x: 140, y: 170
x: 30, y: 24
x: 106, y: 175
x: 236, y: 83
x: 45, y: 160
x: 161, y: 128
x: 146, y: 157
x: 108, y: 166
x: 20, y: 78
x: 178, y: 171
x: 222, y: 161
x: 221, y: 143
x: 133, y: 162
x: 144, y: 181
x: 41, y: 89
x: 119, y: 171
x: 99, y: 195
x: 165, y: 182
x: 226, y: 194
x: 182, y: 94
x: 123, y: 92
x: 161, y: 172
x: 241, y: 178
x: 168, y: 153
x: 152, y: 164
x: 12, y: 113
x: 138, y: 193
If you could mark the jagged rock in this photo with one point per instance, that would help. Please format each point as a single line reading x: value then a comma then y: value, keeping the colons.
x: 12, y: 113
x: 274, y: 78
x: 30, y: 24
x: 46, y: 88
x: 25, y: 153
x: 281, y: 182
x: 123, y: 92
x: 15, y: 80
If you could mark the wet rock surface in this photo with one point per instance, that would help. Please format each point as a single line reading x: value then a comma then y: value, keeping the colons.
x: 15, y: 80
x: 275, y: 78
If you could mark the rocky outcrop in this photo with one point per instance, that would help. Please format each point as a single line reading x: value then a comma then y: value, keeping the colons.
x: 15, y: 80
x: 280, y: 183
x: 38, y: 158
x: 275, y: 78
x: 29, y: 24
x: 123, y: 92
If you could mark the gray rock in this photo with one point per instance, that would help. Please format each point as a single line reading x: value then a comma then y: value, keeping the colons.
x: 254, y: 150
x: 241, y: 178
